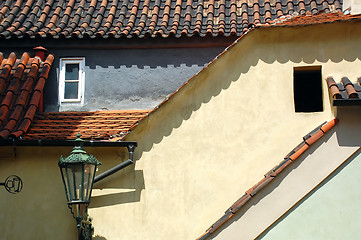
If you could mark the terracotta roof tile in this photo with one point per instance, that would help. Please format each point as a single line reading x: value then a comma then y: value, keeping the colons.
x: 345, y: 92
x: 99, y: 125
x: 268, y: 177
x: 21, y: 86
x: 145, y: 18
x: 308, y: 19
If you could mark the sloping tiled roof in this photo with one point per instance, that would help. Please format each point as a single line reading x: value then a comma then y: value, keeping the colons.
x: 99, y: 125
x: 146, y: 18
x: 345, y: 92
x: 21, y: 88
x: 308, y: 140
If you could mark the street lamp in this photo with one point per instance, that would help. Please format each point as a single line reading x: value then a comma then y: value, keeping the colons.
x: 78, y: 171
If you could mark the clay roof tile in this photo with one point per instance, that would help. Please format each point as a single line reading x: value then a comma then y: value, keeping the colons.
x: 268, y: 177
x: 142, y: 18
x: 19, y: 79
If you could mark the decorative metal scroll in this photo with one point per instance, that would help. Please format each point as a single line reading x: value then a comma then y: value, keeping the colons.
x: 13, y: 184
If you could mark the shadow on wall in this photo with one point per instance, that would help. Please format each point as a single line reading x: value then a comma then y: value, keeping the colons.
x: 350, y: 118
x: 144, y: 58
x: 261, y: 45
x: 124, y: 186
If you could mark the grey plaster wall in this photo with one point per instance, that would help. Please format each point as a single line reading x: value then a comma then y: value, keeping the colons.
x: 128, y: 78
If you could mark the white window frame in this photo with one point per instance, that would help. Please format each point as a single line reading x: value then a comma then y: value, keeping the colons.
x: 81, y: 80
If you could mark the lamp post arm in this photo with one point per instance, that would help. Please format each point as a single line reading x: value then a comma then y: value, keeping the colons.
x: 122, y: 165
x: 113, y: 170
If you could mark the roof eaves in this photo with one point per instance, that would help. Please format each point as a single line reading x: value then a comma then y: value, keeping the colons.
x: 308, y: 140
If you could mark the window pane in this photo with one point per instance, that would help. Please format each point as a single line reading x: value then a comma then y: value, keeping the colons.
x: 71, y: 90
x: 72, y: 71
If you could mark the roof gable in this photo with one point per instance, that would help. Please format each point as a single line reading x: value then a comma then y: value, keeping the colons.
x: 145, y: 18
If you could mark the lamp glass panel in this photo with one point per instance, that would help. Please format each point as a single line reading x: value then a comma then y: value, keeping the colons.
x: 89, y: 171
x: 64, y: 174
x: 75, y: 172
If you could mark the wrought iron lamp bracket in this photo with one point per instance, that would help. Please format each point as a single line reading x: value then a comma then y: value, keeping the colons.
x: 130, y: 146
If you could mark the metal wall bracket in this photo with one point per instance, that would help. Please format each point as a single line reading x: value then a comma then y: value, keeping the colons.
x: 130, y: 146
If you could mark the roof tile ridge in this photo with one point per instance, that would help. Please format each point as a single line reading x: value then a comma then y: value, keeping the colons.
x: 70, y: 29
x: 187, y: 18
x: 335, y: 92
x: 8, y: 21
x: 28, y: 84
x: 18, y: 23
x: 154, y: 19
x: 350, y: 90
x: 165, y: 19
x: 5, y: 9
x: 120, y: 20
x: 35, y: 99
x: 233, y: 17
x: 95, y: 27
x: 176, y: 18
x: 269, y: 176
x: 210, y: 18
x: 42, y: 18
x: 222, y: 16
x: 48, y: 29
x: 131, y: 20
x: 108, y: 21
x: 198, y: 19
x: 244, y: 16
x: 279, y: 11
x: 63, y: 17
x: 30, y: 21
x: 6, y: 70
x: 143, y: 18
x: 256, y: 12
x: 15, y: 77
x: 88, y: 17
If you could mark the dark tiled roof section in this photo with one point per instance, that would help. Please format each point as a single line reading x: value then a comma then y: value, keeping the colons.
x: 309, y: 139
x: 308, y: 19
x: 345, y: 92
x: 21, y: 88
x: 99, y: 125
x: 146, y: 18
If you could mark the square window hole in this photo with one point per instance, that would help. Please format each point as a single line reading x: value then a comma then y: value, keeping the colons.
x: 307, y: 89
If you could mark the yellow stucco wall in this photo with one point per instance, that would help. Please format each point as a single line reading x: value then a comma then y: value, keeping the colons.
x: 197, y: 153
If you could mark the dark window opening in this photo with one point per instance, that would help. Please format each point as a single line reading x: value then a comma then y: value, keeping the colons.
x: 307, y: 89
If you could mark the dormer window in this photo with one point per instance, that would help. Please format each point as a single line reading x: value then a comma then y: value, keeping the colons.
x: 71, y: 80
